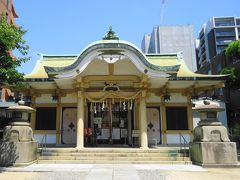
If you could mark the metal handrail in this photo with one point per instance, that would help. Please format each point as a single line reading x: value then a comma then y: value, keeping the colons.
x: 43, y: 142
x: 181, y: 137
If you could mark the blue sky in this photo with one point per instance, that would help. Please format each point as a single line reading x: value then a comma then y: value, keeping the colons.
x: 66, y: 27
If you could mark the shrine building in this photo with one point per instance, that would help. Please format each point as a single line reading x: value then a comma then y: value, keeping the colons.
x: 112, y: 94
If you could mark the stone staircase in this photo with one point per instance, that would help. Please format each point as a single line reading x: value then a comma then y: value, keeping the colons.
x: 161, y: 155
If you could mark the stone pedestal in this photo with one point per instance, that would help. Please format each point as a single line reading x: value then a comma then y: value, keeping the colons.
x: 18, y: 153
x: 18, y: 146
x: 214, y: 154
x: 211, y: 146
x: 211, y: 134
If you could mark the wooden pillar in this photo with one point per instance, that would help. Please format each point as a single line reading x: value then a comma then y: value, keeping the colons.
x: 129, y: 117
x: 190, y: 116
x: 136, y: 117
x: 58, y: 120
x: 80, y: 120
x: 164, y: 121
x: 33, y: 114
x: 143, y: 122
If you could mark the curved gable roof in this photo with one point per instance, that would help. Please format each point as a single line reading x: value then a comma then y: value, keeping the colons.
x: 116, y: 45
x: 163, y: 65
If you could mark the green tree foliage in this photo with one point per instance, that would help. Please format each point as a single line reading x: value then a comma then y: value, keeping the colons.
x: 236, y: 129
x: 233, y: 76
x: 233, y: 50
x: 11, y: 39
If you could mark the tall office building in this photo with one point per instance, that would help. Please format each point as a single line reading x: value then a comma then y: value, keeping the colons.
x: 145, y: 43
x: 171, y: 39
x: 215, y: 36
x: 7, y: 9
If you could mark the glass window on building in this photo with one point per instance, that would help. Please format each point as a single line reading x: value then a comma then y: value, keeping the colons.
x: 221, y: 49
x: 7, y: 4
x: 219, y: 67
x: 224, y: 22
x: 46, y: 118
x: 225, y: 32
x: 225, y: 41
x: 176, y: 118
x: 238, y: 22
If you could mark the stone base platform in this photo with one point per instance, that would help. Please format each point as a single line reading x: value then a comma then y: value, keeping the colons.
x: 18, y: 153
x: 214, y: 154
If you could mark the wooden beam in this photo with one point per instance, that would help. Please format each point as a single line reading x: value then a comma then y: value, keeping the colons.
x: 123, y: 89
x: 210, y: 87
x: 90, y: 78
x: 110, y: 68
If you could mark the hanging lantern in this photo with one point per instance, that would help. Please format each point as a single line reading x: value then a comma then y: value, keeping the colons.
x: 95, y: 108
x: 99, y: 107
x: 124, y: 105
x: 91, y: 107
x: 120, y: 104
x: 131, y: 105
x: 103, y: 106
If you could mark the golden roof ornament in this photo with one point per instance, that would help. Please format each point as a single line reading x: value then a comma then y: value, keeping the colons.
x: 111, y: 35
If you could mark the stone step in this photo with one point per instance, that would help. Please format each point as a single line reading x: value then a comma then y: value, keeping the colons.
x: 109, y: 162
x: 163, y: 155
x: 91, y: 158
x: 111, y: 150
x: 117, y: 154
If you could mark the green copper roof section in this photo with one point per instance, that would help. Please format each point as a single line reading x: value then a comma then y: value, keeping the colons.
x: 112, y: 44
x: 49, y: 60
x: 164, y: 59
x: 59, y: 58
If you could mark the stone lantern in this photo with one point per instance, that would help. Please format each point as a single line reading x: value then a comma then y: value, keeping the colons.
x: 18, y: 146
x: 211, y: 145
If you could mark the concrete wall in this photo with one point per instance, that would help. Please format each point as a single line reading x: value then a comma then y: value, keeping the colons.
x: 172, y: 39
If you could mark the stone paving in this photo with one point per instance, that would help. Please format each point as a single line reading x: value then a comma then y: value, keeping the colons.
x: 116, y: 172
